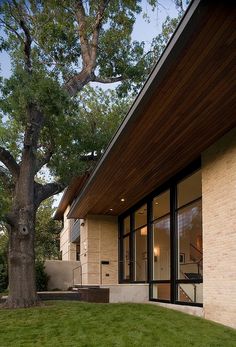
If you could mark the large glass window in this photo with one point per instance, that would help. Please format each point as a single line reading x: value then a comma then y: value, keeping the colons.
x: 161, y: 237
x: 162, y: 242
x: 189, y: 239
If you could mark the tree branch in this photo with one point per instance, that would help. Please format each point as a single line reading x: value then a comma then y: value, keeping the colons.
x: 8, y: 26
x: 108, y: 79
x: 92, y: 158
x: 77, y: 82
x: 81, y: 19
x: 44, y: 160
x: 43, y: 192
x: 28, y: 39
x: 7, y: 159
x: 97, y: 28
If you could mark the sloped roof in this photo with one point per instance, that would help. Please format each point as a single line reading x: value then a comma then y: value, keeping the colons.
x: 187, y: 103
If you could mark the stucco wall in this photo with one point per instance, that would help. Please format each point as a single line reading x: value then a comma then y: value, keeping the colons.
x: 219, y: 230
x: 61, y: 274
x: 99, y: 242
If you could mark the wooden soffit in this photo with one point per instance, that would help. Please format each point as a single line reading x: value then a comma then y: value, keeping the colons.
x: 187, y: 103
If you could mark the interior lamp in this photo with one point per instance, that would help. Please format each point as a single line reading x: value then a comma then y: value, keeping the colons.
x: 144, y: 231
x: 156, y: 253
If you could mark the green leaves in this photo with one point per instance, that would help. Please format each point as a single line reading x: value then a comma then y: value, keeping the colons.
x: 86, y: 131
x: 159, y: 43
x: 47, y: 232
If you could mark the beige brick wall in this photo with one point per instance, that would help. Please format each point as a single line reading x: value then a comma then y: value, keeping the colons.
x: 99, y: 241
x: 219, y: 230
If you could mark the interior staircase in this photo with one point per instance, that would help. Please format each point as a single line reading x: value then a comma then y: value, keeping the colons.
x: 183, y: 296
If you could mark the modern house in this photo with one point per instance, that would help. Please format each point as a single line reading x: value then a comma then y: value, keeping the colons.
x: 156, y: 219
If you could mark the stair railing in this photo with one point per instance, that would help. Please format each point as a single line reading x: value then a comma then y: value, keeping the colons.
x: 73, y: 275
x: 194, y: 288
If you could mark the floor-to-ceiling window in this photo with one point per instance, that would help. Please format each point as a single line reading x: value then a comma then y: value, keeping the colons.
x: 161, y: 242
x: 161, y: 246
x: 189, y: 239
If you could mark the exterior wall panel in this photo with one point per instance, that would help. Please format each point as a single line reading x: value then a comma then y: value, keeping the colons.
x: 67, y: 248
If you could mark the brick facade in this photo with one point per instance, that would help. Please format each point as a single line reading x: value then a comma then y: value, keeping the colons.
x: 219, y: 230
x: 99, y: 242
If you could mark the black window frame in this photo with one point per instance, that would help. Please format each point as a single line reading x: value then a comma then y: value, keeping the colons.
x: 171, y: 185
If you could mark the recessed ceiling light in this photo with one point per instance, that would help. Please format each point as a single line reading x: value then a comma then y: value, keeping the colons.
x: 122, y: 199
x: 111, y: 209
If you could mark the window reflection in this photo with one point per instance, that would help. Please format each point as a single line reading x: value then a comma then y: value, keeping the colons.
x: 190, y: 241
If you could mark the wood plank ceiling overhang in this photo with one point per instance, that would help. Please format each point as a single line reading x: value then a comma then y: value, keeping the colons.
x: 187, y: 103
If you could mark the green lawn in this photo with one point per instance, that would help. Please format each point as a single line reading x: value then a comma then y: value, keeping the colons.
x: 78, y: 324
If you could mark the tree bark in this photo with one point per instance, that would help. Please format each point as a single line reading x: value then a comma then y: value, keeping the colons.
x: 22, y: 287
x: 21, y: 219
x: 21, y: 259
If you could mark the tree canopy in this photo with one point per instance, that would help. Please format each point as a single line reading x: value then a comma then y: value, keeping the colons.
x: 56, y: 48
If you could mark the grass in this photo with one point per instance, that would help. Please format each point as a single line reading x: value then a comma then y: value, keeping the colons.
x: 78, y: 324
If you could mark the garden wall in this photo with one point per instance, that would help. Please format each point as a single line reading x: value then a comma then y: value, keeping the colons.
x: 61, y: 274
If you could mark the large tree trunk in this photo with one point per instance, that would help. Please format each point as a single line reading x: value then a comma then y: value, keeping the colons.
x: 21, y: 262
x: 22, y: 288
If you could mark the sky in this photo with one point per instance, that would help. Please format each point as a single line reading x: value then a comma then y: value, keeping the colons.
x: 143, y: 31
